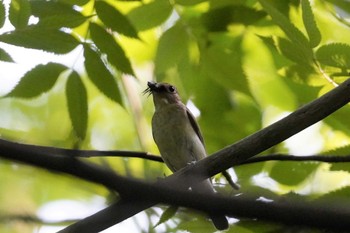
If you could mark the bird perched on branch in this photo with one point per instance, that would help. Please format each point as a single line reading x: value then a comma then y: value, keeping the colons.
x: 178, y: 137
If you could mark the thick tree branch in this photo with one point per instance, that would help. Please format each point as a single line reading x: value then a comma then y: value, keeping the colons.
x: 220, y: 161
x: 296, y: 158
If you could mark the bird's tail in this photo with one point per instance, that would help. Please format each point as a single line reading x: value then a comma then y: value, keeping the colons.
x: 219, y: 221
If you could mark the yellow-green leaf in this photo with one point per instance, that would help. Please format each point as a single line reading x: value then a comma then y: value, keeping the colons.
x: 54, y: 14
x: 112, y: 18
x: 108, y: 45
x: 77, y: 104
x: 2, y: 14
x: 100, y: 75
x: 150, y: 15
x: 310, y: 24
x: 37, y: 81
x: 173, y: 45
x: 50, y: 40
x: 19, y: 13
x: 167, y: 214
x: 336, y: 55
x: 4, y: 56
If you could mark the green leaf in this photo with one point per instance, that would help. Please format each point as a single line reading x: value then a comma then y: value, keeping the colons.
x: 100, y: 75
x: 340, y: 167
x: 4, y: 56
x: 279, y: 59
x: 341, y: 151
x: 303, y: 92
x: 112, y: 18
x: 344, y: 150
x: 336, y: 196
x: 173, y: 45
x: 219, y: 18
x: 292, y: 173
x: 310, y: 24
x: 77, y: 104
x: 2, y: 14
x: 295, y: 52
x: 107, y: 44
x: 189, y: 2
x: 150, y: 15
x: 37, y: 81
x: 50, y: 40
x: 56, y: 15
x: 293, y: 33
x: 74, y: 2
x: 220, y: 62
x: 59, y: 21
x: 19, y: 13
x: 343, y: 5
x: 336, y: 55
x: 337, y: 120
x: 167, y: 214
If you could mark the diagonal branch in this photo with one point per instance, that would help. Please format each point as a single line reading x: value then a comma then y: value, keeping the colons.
x: 296, y: 158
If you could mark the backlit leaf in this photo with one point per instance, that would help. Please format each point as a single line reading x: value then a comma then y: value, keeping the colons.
x: 310, y: 24
x: 56, y: 15
x: 343, y: 5
x: 37, y: 81
x: 292, y: 173
x: 77, y: 104
x: 337, y: 195
x: 150, y: 15
x: 167, y: 214
x: 4, y: 56
x: 295, y: 52
x: 293, y: 33
x: 107, y: 44
x: 189, y: 2
x: 219, y: 18
x: 112, y: 18
x: 75, y: 2
x: 19, y: 13
x: 50, y: 40
x: 100, y: 75
x: 173, y: 44
x: 2, y: 14
x: 336, y: 55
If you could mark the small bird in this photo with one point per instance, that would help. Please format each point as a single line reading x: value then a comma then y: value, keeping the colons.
x: 178, y: 136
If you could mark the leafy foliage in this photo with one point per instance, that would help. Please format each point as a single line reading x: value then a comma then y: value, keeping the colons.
x: 37, y: 81
x: 77, y: 104
x: 47, y: 39
x: 243, y: 64
x: 4, y: 56
x: 53, y: 14
x: 19, y: 13
x: 336, y: 55
x: 106, y: 43
x: 115, y: 20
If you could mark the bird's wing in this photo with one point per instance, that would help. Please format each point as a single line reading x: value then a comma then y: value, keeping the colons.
x: 194, y: 125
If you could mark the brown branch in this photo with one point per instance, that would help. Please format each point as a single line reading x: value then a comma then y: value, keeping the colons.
x: 296, y: 158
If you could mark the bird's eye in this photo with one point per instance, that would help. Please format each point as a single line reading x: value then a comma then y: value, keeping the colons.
x: 172, y: 89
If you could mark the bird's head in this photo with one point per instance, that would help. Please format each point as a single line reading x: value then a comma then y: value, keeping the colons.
x: 163, y: 93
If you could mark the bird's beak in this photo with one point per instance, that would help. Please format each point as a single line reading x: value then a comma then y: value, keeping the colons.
x: 152, y: 86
